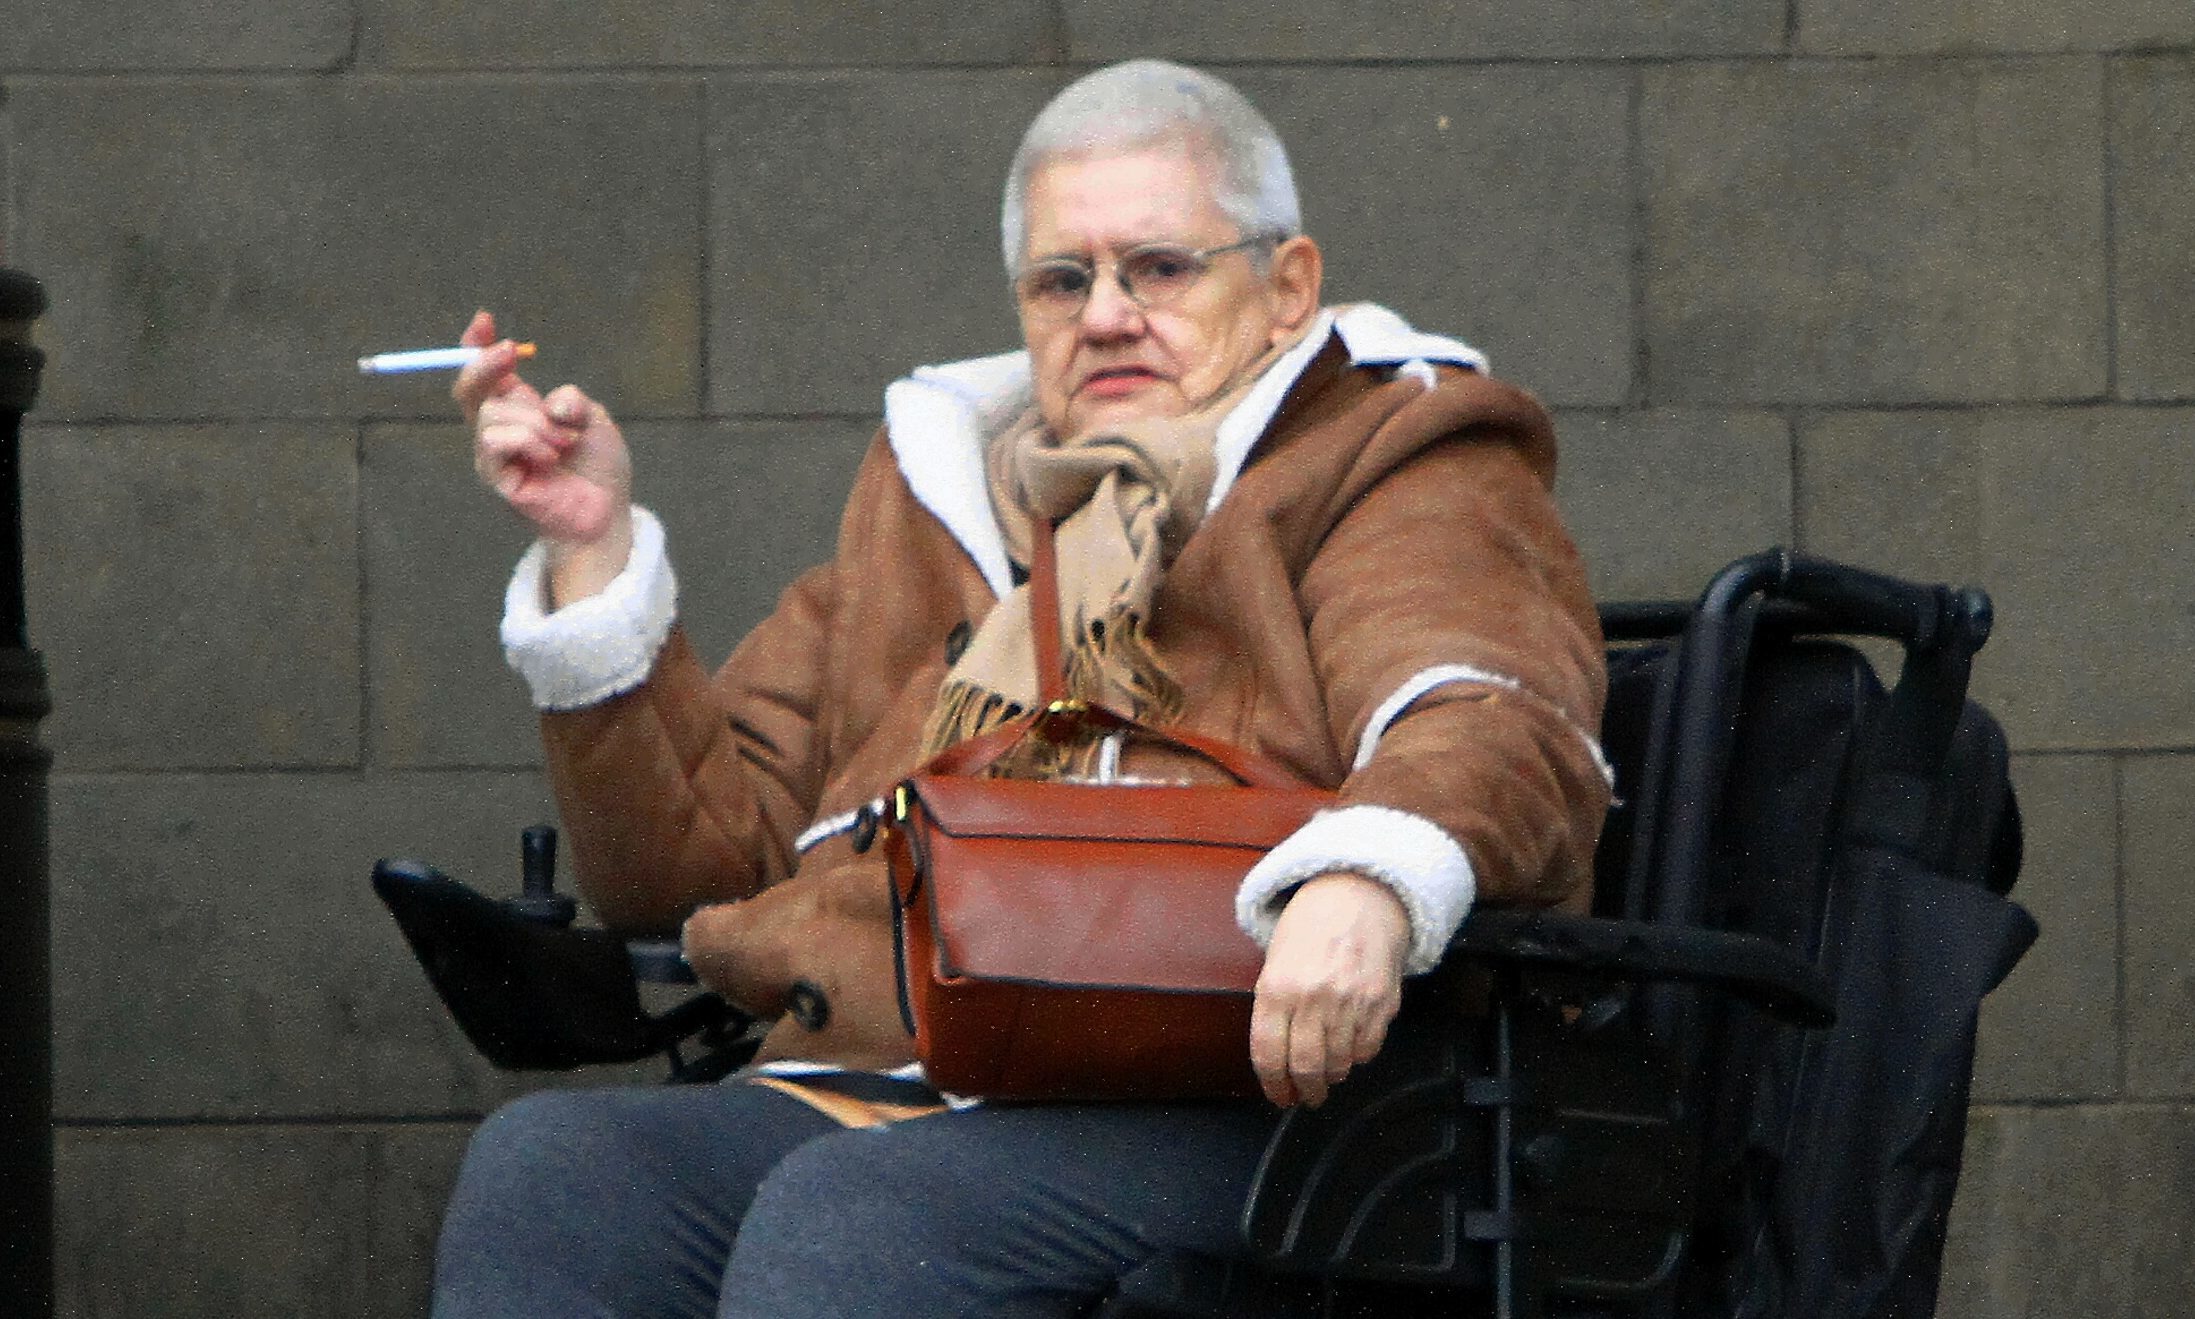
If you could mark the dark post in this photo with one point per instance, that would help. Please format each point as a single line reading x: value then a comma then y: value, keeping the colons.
x: 26, y: 1003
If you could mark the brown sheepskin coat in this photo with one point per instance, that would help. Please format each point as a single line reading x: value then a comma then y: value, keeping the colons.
x: 1380, y: 528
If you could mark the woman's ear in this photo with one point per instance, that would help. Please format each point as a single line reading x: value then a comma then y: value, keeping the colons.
x: 1297, y: 269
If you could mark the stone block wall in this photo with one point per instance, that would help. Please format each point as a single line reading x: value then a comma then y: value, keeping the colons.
x: 1907, y: 283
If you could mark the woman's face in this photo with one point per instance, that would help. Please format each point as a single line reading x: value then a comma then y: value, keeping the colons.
x: 1115, y: 361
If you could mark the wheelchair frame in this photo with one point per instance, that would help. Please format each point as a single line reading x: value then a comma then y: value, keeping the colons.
x: 1548, y: 1048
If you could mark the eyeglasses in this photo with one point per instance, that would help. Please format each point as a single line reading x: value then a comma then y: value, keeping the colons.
x: 1153, y: 275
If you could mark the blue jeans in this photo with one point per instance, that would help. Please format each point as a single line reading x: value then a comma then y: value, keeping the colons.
x: 735, y: 1200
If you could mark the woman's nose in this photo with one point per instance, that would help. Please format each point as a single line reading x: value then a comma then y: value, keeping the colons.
x: 1110, y: 312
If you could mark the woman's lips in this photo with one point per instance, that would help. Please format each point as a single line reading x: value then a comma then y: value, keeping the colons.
x: 1114, y: 382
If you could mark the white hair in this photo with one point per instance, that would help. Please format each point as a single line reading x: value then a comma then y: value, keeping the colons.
x: 1145, y: 103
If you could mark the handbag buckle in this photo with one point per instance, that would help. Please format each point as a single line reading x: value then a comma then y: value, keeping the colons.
x: 1061, y: 720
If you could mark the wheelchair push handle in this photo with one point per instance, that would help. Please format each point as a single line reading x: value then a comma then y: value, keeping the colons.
x: 1835, y: 597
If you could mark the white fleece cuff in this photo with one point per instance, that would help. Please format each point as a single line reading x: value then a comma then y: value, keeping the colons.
x: 1412, y: 856
x: 596, y: 648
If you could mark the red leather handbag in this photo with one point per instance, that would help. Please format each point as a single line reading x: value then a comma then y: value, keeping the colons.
x: 1063, y: 940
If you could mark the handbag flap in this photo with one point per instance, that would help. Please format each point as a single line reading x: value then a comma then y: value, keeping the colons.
x: 1223, y: 815
x: 1101, y: 886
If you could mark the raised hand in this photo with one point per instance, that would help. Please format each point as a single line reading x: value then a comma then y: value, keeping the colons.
x: 559, y: 460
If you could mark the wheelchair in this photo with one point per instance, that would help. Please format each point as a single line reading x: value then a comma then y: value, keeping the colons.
x: 1737, y: 1088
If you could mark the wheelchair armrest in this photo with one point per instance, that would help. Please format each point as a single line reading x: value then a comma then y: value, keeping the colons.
x: 1535, y: 1144
x: 1755, y: 969
x: 536, y: 994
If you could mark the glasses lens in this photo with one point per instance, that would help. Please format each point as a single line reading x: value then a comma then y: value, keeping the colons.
x: 1159, y: 275
x: 1053, y: 288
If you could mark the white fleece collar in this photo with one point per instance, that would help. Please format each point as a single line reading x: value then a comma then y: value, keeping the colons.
x: 940, y: 418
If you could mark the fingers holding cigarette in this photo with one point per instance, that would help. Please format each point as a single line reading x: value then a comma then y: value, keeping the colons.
x: 572, y: 485
x: 492, y: 367
x: 480, y: 331
x: 569, y: 407
x: 513, y: 434
x: 559, y: 460
x: 518, y: 430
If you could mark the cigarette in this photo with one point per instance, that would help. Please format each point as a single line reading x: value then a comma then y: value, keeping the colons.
x: 427, y: 359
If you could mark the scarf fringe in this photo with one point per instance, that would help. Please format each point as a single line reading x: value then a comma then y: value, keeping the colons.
x: 965, y: 710
x: 1112, y: 660
x: 1114, y: 654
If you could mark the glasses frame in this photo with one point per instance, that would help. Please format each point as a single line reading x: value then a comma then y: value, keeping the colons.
x: 1119, y: 264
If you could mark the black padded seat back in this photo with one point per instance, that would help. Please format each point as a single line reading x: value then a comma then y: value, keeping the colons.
x: 1805, y: 709
x: 1875, y: 836
x: 1830, y: 1157
x: 1636, y: 678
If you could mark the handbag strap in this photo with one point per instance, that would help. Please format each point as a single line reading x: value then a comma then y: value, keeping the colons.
x: 1057, y: 718
x: 1044, y: 612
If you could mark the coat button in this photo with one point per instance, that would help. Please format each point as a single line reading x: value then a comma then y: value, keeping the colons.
x: 808, y: 1006
x: 956, y: 641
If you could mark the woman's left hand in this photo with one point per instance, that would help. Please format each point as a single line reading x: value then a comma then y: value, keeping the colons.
x: 1331, y: 984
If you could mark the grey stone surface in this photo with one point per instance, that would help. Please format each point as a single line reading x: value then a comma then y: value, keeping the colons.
x: 439, y: 548
x: 195, y: 591
x: 1959, y: 27
x: 747, y: 505
x: 1658, y: 501
x: 2153, y: 212
x: 873, y: 247
x: 173, y: 35
x: 1874, y: 232
x: 1902, y: 491
x: 2160, y: 926
x: 625, y: 33
x: 2076, y: 520
x: 222, y: 249
x: 2073, y: 1213
x: 146, y: 1220
x: 2051, y: 1031
x: 1100, y: 30
x: 240, y: 1222
x: 410, y: 1187
x: 221, y: 954
x: 7, y: 180
x: 1490, y: 204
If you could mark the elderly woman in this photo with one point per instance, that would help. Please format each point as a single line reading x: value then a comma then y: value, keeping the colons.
x: 1359, y: 572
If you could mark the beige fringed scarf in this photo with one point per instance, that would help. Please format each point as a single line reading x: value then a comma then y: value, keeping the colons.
x: 1125, y: 499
